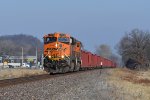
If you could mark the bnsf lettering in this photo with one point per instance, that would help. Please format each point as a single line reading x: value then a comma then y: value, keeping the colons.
x: 52, y: 48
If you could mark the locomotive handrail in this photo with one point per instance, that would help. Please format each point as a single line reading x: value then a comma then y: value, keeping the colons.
x: 47, y: 54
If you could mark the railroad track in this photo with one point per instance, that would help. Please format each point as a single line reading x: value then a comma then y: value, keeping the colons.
x: 22, y: 80
x: 15, y: 81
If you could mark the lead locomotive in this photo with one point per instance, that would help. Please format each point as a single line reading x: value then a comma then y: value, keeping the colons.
x: 62, y: 53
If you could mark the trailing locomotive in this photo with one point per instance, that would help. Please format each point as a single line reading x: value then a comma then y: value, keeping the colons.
x: 62, y: 53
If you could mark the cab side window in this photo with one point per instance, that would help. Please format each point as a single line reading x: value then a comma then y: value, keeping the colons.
x: 78, y: 44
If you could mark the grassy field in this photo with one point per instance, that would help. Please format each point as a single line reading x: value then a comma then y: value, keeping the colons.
x: 15, y: 73
x: 133, y: 85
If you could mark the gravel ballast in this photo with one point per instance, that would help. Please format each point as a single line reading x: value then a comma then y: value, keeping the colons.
x: 90, y: 85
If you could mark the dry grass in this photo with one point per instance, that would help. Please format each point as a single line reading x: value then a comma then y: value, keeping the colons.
x: 16, y: 73
x: 135, y: 85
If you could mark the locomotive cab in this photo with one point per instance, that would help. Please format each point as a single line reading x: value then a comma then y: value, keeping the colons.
x: 56, y: 46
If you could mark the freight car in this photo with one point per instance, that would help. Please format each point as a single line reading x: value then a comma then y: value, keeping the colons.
x: 90, y: 60
x: 63, y: 53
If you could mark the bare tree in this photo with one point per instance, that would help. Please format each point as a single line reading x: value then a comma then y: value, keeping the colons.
x: 135, y: 45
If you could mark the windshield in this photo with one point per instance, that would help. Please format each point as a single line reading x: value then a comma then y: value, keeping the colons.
x: 63, y: 39
x: 50, y: 40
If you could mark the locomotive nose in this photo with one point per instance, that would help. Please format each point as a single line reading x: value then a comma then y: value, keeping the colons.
x: 55, y: 52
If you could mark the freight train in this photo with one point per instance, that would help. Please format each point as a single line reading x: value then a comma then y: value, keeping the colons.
x: 63, y: 53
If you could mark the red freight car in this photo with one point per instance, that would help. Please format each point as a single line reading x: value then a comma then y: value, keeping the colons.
x: 90, y: 60
x: 86, y: 59
x: 94, y: 60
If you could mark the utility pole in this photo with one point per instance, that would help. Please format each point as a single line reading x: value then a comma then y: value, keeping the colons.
x: 22, y: 56
x: 36, y: 57
x: 42, y: 61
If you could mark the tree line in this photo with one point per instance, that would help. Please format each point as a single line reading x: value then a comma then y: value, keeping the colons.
x: 12, y: 45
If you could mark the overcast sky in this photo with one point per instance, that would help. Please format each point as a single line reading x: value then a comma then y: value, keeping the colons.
x: 93, y: 22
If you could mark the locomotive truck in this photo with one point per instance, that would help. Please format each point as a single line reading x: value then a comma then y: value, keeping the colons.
x: 63, y: 53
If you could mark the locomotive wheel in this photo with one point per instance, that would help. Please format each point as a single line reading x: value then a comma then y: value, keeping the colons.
x: 63, y: 69
x: 66, y: 69
x: 77, y: 67
x: 101, y: 67
x: 72, y: 66
x: 52, y: 72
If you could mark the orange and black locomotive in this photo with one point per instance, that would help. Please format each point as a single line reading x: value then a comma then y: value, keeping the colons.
x: 62, y: 53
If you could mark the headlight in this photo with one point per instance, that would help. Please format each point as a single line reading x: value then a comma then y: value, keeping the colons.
x: 50, y: 56
x: 62, y: 56
x: 56, y: 45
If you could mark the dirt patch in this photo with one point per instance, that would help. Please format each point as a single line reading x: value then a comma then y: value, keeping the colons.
x: 135, y: 80
x: 134, y: 84
x: 146, y: 81
x: 134, y: 77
